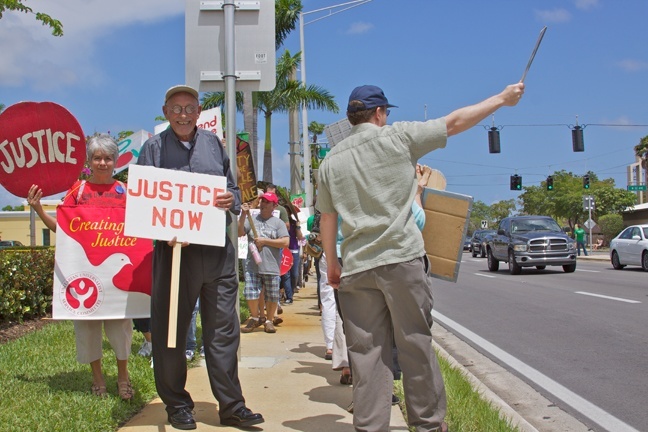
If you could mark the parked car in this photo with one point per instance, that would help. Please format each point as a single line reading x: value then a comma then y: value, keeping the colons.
x: 630, y: 247
x: 466, y: 244
x: 4, y: 244
x: 531, y: 241
x: 477, y: 242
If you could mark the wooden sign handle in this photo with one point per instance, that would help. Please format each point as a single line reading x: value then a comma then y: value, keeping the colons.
x: 173, y: 296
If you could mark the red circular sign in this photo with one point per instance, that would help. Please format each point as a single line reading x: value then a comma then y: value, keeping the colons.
x: 40, y: 143
x: 286, y: 261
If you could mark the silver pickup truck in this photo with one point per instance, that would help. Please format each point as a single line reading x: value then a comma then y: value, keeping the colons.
x: 530, y: 241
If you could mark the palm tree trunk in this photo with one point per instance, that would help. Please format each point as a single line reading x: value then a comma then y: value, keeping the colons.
x: 267, y: 150
x: 249, y: 125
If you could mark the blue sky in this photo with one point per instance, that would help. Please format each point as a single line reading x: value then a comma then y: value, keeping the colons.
x: 116, y: 60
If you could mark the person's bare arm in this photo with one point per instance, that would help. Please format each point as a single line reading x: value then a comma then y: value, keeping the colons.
x: 467, y: 117
x: 33, y: 198
x: 328, y: 235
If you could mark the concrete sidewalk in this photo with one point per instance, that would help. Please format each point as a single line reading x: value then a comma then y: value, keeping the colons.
x: 284, y: 377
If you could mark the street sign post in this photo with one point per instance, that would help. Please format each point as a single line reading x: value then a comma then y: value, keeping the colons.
x: 206, y: 48
x: 484, y: 224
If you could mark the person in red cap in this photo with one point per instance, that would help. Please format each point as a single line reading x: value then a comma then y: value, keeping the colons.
x: 206, y: 272
x: 269, y: 236
x: 385, y: 290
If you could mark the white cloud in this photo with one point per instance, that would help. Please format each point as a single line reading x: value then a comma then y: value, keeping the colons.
x: 33, y: 57
x: 586, y: 4
x: 553, y: 16
x: 359, y: 28
x: 632, y: 65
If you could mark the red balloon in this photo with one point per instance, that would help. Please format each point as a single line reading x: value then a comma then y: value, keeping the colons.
x: 40, y: 143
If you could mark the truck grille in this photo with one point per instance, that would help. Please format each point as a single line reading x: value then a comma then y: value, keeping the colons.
x: 548, y: 245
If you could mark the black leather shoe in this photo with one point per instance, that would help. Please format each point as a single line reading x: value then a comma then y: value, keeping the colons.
x: 243, y: 417
x: 182, y: 419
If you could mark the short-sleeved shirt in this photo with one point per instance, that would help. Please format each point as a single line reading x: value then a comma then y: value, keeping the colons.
x: 272, y: 228
x: 98, y: 195
x: 369, y: 180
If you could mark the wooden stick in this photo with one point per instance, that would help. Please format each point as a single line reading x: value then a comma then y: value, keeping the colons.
x: 173, y: 295
x: 254, y: 231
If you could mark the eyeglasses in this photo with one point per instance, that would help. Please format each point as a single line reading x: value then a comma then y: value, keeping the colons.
x: 387, y: 112
x: 189, y: 109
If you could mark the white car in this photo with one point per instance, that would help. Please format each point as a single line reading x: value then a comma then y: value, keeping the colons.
x: 630, y: 247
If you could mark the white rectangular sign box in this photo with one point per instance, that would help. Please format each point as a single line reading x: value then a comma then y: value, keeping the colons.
x: 164, y: 203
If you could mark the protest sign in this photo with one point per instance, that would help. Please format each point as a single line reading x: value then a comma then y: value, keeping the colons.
x: 40, y: 142
x: 129, y: 149
x: 247, y: 177
x: 163, y: 204
x: 99, y: 273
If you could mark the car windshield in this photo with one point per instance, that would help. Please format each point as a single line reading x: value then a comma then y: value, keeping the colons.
x: 528, y: 225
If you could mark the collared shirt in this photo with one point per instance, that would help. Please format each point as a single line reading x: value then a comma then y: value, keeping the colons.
x: 369, y: 180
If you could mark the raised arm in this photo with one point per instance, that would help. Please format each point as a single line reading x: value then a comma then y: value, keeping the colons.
x: 467, y: 117
x: 33, y: 198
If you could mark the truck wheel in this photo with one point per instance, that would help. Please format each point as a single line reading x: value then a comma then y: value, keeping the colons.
x: 474, y: 254
x: 493, y: 264
x: 514, y: 268
x: 482, y: 252
x: 644, y: 261
x: 570, y: 268
x: 615, y: 261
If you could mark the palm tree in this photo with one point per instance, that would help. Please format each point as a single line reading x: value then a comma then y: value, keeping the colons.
x: 286, y: 17
x: 641, y: 150
x: 288, y: 94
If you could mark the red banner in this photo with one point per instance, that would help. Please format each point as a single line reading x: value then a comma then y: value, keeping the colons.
x: 100, y: 273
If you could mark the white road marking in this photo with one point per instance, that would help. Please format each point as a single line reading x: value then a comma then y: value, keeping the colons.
x: 580, y: 404
x: 588, y: 271
x: 607, y: 297
x: 484, y: 275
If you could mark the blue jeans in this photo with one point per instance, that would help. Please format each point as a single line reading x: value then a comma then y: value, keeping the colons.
x: 579, y: 245
x: 294, y: 270
x: 191, y: 334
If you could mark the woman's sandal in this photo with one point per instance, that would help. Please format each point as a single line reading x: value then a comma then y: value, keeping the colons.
x: 99, y: 390
x: 346, y: 379
x: 126, y: 392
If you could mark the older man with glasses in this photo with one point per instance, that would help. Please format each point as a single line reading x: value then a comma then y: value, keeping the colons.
x: 206, y: 272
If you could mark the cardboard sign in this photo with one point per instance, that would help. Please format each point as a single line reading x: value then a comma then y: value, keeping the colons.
x: 446, y: 222
x: 129, y: 149
x: 247, y: 181
x: 40, y: 143
x: 99, y: 273
x: 164, y: 203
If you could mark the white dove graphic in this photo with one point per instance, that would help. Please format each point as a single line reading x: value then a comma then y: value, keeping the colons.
x: 70, y: 259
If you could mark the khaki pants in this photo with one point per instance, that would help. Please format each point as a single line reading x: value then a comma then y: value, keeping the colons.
x: 373, y: 301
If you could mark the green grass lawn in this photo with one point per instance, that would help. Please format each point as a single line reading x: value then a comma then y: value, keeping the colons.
x: 467, y: 410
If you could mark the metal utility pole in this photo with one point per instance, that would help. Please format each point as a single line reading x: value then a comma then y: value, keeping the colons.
x: 308, y: 187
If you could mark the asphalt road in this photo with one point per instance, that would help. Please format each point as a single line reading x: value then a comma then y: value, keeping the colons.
x: 578, y: 338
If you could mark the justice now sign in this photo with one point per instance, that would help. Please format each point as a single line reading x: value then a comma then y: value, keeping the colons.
x: 163, y: 204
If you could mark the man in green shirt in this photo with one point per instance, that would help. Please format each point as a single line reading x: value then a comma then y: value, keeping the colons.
x: 580, y: 239
x: 384, y: 288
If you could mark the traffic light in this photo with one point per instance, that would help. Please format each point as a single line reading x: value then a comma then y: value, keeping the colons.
x: 493, y: 140
x: 550, y: 183
x: 577, y: 139
x: 586, y: 181
x: 516, y: 182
